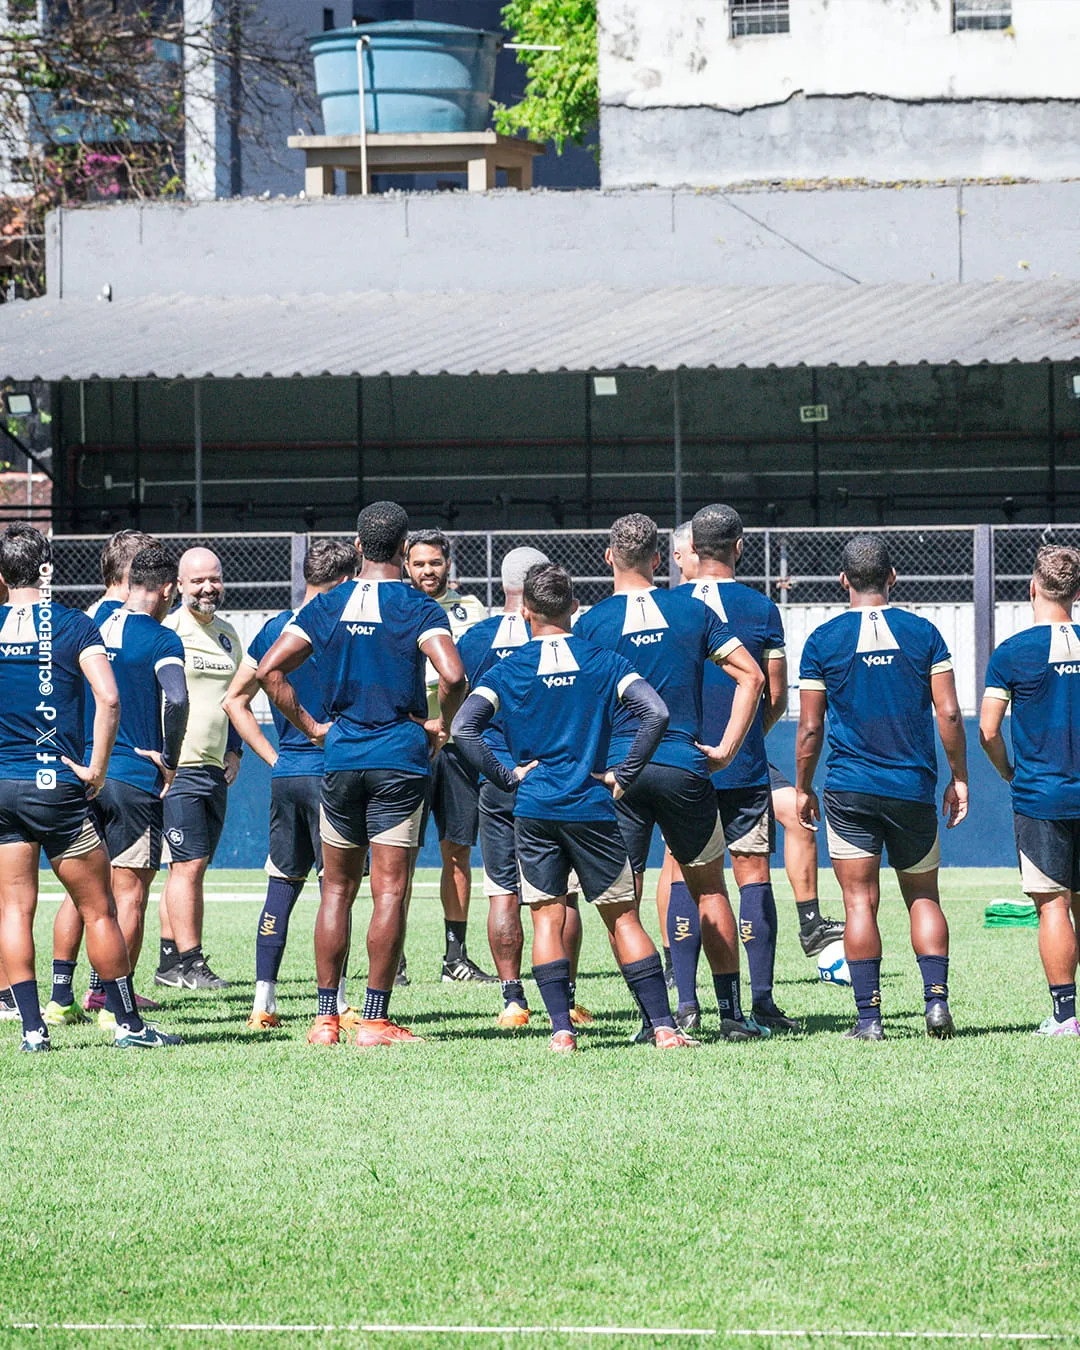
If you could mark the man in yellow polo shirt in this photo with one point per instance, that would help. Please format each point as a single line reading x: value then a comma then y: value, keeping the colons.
x: 209, y: 762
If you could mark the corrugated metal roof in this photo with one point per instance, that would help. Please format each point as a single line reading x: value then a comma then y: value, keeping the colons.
x: 593, y: 328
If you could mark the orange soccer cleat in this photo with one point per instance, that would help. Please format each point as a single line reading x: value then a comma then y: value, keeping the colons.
x: 581, y: 1017
x: 381, y: 1031
x: 325, y: 1031
x: 351, y: 1019
x: 563, y: 1042
x: 263, y: 1021
x: 670, y: 1038
x: 514, y: 1015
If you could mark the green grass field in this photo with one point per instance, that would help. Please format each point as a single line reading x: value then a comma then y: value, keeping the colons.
x: 803, y: 1185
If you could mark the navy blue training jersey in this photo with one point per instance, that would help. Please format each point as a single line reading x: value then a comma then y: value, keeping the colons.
x: 43, y: 690
x: 755, y: 621
x: 366, y: 637
x: 558, y: 698
x: 1039, y: 672
x: 101, y: 609
x: 874, y: 665
x: 137, y: 647
x: 484, y: 645
x: 297, y: 756
x: 670, y: 637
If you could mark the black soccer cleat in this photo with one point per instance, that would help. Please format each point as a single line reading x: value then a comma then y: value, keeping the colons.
x: 865, y: 1031
x: 743, y: 1029
x: 688, y: 1018
x: 824, y: 931
x: 775, y: 1019
x: 645, y: 1035
x: 8, y: 1010
x: 172, y: 977
x: 463, y: 970
x: 401, y: 979
x: 199, y: 976
x: 939, y: 1023
x: 35, y: 1042
x: 669, y: 976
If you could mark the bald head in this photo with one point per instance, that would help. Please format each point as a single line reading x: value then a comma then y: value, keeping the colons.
x: 200, y: 583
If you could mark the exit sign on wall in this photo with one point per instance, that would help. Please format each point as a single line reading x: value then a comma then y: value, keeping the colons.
x: 814, y: 412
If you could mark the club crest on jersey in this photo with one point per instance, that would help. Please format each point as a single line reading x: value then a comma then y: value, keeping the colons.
x: 226, y: 645
x: 459, y: 612
x: 1064, y: 650
x: 875, y: 636
x: 708, y: 592
x: 643, y: 615
x: 557, y: 664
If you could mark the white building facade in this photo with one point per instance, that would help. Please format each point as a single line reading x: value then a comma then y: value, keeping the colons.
x: 712, y: 92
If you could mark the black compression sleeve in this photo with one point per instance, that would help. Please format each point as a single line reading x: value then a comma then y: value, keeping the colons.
x: 642, y: 700
x: 174, y: 719
x: 468, y: 729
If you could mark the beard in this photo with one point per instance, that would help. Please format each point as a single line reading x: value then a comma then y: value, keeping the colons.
x: 203, y: 604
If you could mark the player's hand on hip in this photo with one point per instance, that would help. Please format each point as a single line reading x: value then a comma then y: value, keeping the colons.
x: 718, y: 757
x: 954, y: 804
x: 609, y: 780
x: 167, y: 774
x: 90, y: 775
x: 523, y: 770
x: 320, y: 733
x: 807, y: 809
x: 232, y: 767
x: 436, y: 733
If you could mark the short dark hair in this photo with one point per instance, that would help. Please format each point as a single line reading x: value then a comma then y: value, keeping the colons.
x: 866, y: 563
x: 328, y: 559
x: 117, y: 554
x: 433, y: 538
x: 633, y: 539
x: 24, y: 551
x: 1057, y: 573
x: 151, y: 568
x: 381, y: 528
x: 715, y: 531
x: 548, y: 590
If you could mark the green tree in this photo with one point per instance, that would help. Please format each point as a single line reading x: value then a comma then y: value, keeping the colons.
x: 562, y: 100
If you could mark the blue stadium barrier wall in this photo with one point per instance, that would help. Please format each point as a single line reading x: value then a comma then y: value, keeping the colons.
x: 985, y: 839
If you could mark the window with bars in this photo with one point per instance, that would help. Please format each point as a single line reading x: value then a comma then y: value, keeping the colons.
x: 981, y: 15
x: 750, y: 18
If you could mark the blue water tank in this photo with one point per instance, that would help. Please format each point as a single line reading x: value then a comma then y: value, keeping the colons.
x: 417, y: 77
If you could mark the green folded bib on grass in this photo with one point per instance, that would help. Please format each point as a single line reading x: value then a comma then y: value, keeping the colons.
x: 1011, y: 914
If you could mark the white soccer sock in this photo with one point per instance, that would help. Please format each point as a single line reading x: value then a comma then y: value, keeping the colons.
x: 342, y: 997
x: 265, y: 996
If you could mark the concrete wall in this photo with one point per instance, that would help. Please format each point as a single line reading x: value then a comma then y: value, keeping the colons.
x: 521, y: 241
x: 879, y: 89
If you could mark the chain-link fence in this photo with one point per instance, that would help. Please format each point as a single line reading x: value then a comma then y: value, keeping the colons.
x: 1015, y: 547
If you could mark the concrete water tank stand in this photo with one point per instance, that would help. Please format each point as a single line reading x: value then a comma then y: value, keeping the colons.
x: 476, y: 153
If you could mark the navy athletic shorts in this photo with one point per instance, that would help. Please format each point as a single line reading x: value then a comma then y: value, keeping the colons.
x: 194, y: 813
x: 778, y: 780
x: 1049, y: 853
x: 862, y: 825
x: 373, y: 806
x: 749, y: 821
x: 130, y: 820
x: 455, y: 797
x: 295, y: 841
x: 497, y: 840
x: 548, y: 851
x: 58, y: 818
x: 683, y: 804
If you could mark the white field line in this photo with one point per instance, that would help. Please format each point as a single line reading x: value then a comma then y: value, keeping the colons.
x: 422, y: 1329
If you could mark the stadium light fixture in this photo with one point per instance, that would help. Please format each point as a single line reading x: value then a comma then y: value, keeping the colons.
x: 19, y: 405
x: 605, y: 386
x: 1076, y: 386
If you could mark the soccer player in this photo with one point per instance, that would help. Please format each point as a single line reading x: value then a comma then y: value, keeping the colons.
x: 455, y: 791
x: 147, y: 663
x: 1038, y: 672
x: 209, y: 762
x: 879, y: 671
x: 672, y: 637
x: 559, y: 696
x: 116, y: 559
x: 483, y: 646
x: 48, y: 656
x: 370, y: 637
x: 296, y: 781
